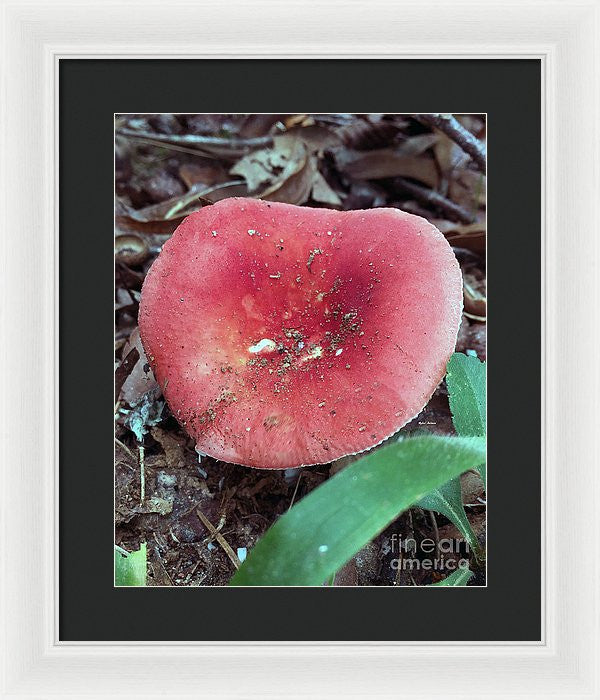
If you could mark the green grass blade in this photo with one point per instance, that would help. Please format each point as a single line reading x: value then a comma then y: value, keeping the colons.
x: 447, y: 500
x: 130, y: 570
x: 317, y: 536
x: 465, y: 379
x: 457, y: 578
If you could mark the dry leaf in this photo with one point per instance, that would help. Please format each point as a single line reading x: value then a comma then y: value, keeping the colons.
x: 322, y: 192
x: 177, y: 208
x: 203, y: 173
x: 467, y: 188
x: 271, y: 166
x: 469, y: 236
x: 474, y: 300
x: 387, y: 162
x: 316, y: 138
x: 295, y: 188
x: 415, y: 145
x: 140, y: 379
x: 173, y: 449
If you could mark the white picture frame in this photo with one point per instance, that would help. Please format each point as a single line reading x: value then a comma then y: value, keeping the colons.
x: 565, y: 37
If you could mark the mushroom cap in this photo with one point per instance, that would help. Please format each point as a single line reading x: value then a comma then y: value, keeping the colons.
x: 285, y: 336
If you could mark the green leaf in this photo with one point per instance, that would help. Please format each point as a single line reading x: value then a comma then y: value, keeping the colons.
x: 447, y: 500
x: 465, y: 379
x: 318, y: 535
x: 130, y: 569
x: 457, y: 578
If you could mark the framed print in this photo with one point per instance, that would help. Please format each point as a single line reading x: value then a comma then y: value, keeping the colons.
x: 188, y: 522
x: 294, y: 339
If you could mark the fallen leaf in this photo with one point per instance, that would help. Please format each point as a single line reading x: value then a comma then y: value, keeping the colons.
x: 173, y: 449
x: 272, y: 166
x: 316, y: 138
x: 295, y: 188
x: 387, y: 162
x: 469, y: 236
x: 177, y: 208
x: 448, y: 154
x: 475, y: 301
x: 472, y: 487
x: 205, y: 173
x: 467, y: 188
x: 125, y: 368
x: 155, y: 504
x: 140, y: 379
x: 415, y: 145
x: 258, y: 124
x: 322, y: 192
x: 365, y: 132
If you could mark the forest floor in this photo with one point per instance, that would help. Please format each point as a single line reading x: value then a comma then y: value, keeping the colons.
x: 198, y: 515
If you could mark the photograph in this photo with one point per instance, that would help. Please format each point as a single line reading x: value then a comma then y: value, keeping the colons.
x: 300, y: 350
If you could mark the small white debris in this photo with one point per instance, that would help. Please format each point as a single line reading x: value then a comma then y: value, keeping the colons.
x: 247, y: 430
x: 242, y: 553
x: 264, y: 344
x: 276, y: 276
x: 251, y: 231
x: 338, y: 352
x: 291, y: 474
x: 214, y: 233
x: 313, y: 353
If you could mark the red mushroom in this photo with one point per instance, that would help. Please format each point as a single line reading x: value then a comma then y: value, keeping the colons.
x: 285, y: 336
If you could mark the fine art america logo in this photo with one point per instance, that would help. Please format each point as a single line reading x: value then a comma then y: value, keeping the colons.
x: 446, y: 554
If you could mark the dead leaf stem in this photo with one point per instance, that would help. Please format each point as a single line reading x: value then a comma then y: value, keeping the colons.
x: 461, y: 136
x: 435, y: 199
x: 195, y: 140
x: 219, y: 538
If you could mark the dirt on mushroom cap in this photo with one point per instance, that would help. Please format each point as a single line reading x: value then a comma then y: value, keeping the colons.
x: 298, y: 335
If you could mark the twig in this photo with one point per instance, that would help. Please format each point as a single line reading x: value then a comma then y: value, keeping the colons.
x: 142, y: 474
x: 436, y: 532
x: 473, y: 317
x: 412, y: 535
x: 203, y: 142
x: 461, y: 136
x: 219, y: 538
x: 436, y: 200
x: 160, y: 560
x: 125, y: 448
x: 190, y: 197
x: 295, y: 490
